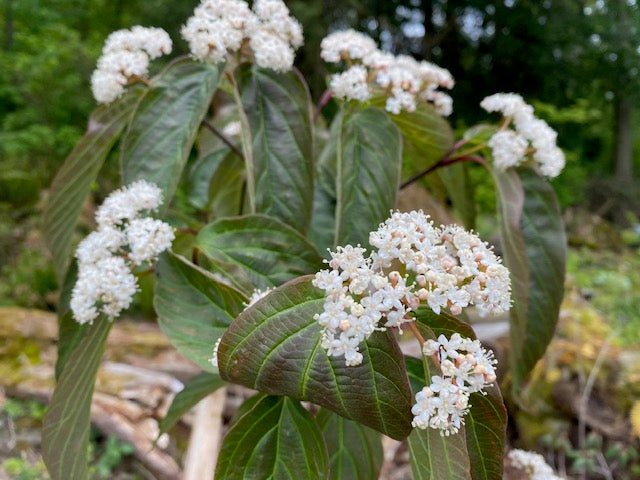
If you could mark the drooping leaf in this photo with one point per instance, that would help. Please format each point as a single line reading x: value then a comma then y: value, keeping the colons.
x: 193, y: 307
x: 274, y: 347
x: 72, y: 183
x: 159, y: 139
x: 534, y: 249
x: 65, y: 433
x: 278, y: 110
x: 194, y: 390
x: 274, y: 438
x: 258, y: 247
x: 355, y: 451
x: 358, y: 177
x: 434, y: 456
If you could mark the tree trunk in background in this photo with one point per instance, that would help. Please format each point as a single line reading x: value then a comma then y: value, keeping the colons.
x: 429, y: 30
x: 624, y: 138
x: 8, y: 24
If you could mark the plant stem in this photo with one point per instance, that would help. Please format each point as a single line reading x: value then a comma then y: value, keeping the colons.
x: 247, y: 147
x: 445, y: 161
x: 222, y: 137
x: 324, y: 100
x: 416, y: 333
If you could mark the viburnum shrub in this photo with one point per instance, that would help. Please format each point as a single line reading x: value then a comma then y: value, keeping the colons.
x: 285, y: 267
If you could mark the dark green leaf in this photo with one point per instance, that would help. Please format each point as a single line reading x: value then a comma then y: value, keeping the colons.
x: 194, y: 390
x: 215, y: 183
x: 263, y: 249
x: 443, y: 323
x: 274, y: 347
x: 193, y: 308
x: 276, y: 438
x: 73, y: 181
x: 359, y: 173
x: 65, y: 433
x: 278, y: 108
x: 534, y: 248
x: 434, y: 456
x: 355, y: 450
x: 159, y: 139
x: 485, y: 429
x: 460, y: 190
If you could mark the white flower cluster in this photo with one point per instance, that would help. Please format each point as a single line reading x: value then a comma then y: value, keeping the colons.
x: 403, y: 79
x: 510, y: 147
x: 124, y: 239
x: 445, y: 267
x: 466, y: 368
x: 126, y: 55
x: 534, y: 464
x: 222, y: 27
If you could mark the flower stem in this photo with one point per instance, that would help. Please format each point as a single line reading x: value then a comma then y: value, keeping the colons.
x: 416, y: 333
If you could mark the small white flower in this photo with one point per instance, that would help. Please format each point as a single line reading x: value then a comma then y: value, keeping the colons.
x: 509, y: 147
x: 125, y: 55
x: 214, y: 355
x: 534, y: 464
x: 122, y: 241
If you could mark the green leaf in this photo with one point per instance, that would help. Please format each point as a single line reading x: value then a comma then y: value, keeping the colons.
x: 274, y: 438
x: 534, y: 249
x: 159, y: 139
x: 486, y: 421
x: 263, y: 249
x: 72, y: 183
x: 65, y: 433
x: 460, y: 190
x: 485, y: 430
x: 70, y: 332
x: 274, y: 347
x: 355, y: 450
x: 443, y: 323
x: 215, y: 183
x: 426, y: 133
x: 278, y: 109
x: 194, y: 390
x: 434, y: 456
x: 359, y: 173
x: 193, y: 308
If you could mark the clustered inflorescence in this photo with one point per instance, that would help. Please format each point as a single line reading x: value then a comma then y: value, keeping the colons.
x: 125, y: 57
x: 414, y: 262
x: 371, y: 71
x: 466, y: 368
x: 510, y: 147
x: 219, y: 28
x: 534, y: 464
x: 124, y: 240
